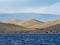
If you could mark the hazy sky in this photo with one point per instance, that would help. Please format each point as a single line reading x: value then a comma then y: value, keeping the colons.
x: 30, y: 6
x: 27, y: 16
x: 11, y: 8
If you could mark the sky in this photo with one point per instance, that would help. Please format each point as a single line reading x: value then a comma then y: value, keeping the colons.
x: 11, y: 8
x: 29, y: 16
x: 30, y: 6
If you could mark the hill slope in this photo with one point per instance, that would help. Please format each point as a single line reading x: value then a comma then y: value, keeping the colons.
x: 31, y: 22
x: 47, y: 24
x: 49, y: 27
x: 13, y: 21
x: 54, y: 29
x: 26, y: 23
x: 11, y: 28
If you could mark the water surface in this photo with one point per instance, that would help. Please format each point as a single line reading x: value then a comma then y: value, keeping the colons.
x: 29, y: 39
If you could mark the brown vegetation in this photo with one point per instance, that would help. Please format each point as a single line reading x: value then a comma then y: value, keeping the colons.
x: 31, y: 27
x: 27, y: 23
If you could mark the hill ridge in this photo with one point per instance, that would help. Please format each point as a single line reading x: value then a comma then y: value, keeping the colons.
x: 26, y: 23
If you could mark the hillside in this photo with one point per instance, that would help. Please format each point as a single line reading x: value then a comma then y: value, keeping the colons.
x: 11, y: 28
x: 31, y: 27
x: 51, y: 27
x: 13, y: 21
x: 47, y: 24
x: 31, y: 22
x: 54, y: 29
x: 26, y: 23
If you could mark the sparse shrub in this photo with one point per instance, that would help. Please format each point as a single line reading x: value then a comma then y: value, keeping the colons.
x: 46, y: 32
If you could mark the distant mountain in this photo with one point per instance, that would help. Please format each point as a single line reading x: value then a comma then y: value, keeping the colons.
x: 26, y: 23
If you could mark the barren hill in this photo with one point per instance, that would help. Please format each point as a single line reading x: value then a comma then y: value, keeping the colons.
x: 26, y: 23
x: 31, y: 22
x: 11, y: 28
x: 51, y: 27
x: 13, y: 21
x: 33, y: 27
x: 47, y: 24
x: 54, y: 29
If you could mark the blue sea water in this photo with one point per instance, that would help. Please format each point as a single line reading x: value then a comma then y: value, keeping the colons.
x: 29, y: 39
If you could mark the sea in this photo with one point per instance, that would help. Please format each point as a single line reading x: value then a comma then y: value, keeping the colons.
x: 29, y: 39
